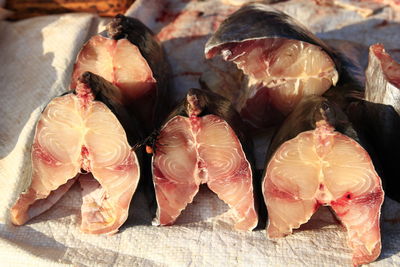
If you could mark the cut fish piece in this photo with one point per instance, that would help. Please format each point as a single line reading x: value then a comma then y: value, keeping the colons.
x: 335, y: 170
x: 30, y: 204
x: 278, y: 55
x: 382, y: 78
x: 378, y: 126
x: 105, y: 206
x: 77, y: 133
x: 117, y: 61
x: 198, y: 149
x: 289, y: 69
x: 128, y: 56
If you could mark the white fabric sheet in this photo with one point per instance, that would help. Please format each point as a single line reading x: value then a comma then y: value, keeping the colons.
x: 37, y: 57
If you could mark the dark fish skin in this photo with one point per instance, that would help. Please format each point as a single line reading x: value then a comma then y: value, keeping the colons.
x: 379, y: 126
x: 138, y: 34
x: 354, y: 60
x: 379, y: 89
x: 110, y: 95
x: 345, y: 93
x: 258, y: 21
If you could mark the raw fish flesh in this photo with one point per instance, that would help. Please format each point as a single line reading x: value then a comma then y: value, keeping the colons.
x: 202, y: 143
x: 129, y: 56
x: 316, y: 159
x: 84, y: 131
x: 382, y: 78
x: 283, y: 61
x: 378, y: 128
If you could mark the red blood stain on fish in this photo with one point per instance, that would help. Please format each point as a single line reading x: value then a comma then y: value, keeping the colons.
x: 85, y: 165
x: 195, y: 124
x: 84, y: 94
x: 40, y: 153
x: 276, y: 192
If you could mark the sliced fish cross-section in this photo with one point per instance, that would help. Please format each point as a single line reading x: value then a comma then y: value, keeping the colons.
x: 382, y: 78
x: 201, y: 149
x: 129, y: 56
x: 283, y: 61
x: 76, y: 134
x: 335, y: 171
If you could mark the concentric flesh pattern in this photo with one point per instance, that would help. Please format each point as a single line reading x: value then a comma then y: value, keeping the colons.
x: 287, y: 70
x: 121, y: 63
x: 382, y: 78
x: 324, y: 167
x: 74, y: 134
x: 196, y: 150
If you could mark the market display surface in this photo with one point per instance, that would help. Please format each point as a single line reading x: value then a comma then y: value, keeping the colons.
x: 319, y: 137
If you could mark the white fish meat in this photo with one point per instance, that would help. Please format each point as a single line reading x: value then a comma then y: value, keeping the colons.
x: 322, y: 166
x: 194, y: 150
x: 75, y: 134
